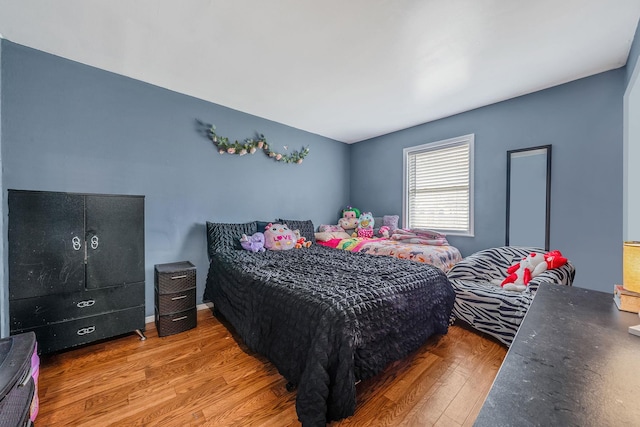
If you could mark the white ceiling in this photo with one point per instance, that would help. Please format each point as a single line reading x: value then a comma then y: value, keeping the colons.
x: 346, y: 69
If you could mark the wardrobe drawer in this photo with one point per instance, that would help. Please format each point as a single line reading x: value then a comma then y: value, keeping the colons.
x: 39, y: 311
x: 175, y: 277
x: 60, y: 335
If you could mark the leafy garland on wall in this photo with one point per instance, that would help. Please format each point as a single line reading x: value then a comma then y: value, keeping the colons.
x: 250, y: 146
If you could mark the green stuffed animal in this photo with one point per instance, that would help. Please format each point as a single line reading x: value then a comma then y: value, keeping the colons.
x: 349, y: 220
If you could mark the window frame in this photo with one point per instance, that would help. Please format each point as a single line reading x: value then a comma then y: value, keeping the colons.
x: 433, y: 146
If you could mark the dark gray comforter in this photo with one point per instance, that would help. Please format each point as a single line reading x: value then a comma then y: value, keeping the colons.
x: 327, y: 318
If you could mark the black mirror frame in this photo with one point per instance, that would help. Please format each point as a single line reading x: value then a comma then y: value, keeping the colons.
x: 548, y: 190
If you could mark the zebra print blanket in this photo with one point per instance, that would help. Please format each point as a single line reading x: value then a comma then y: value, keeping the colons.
x: 328, y: 318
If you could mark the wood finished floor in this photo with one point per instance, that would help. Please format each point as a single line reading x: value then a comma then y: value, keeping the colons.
x: 205, y: 377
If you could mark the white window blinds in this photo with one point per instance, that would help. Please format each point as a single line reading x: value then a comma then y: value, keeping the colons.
x: 439, y: 186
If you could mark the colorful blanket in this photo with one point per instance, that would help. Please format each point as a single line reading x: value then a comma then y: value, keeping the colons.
x: 421, y: 236
x: 439, y: 255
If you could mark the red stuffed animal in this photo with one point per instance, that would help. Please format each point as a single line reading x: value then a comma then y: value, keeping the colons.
x: 554, y: 259
x: 520, y: 274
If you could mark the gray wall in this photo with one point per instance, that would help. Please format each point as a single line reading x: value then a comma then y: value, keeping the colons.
x: 583, y: 122
x: 631, y: 209
x: 73, y: 128
x: 4, y: 303
x: 631, y: 204
x: 634, y: 53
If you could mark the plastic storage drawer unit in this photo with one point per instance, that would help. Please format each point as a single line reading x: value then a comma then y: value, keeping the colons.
x: 175, y: 297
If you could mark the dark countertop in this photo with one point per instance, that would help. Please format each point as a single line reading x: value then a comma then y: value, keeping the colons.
x: 572, y: 363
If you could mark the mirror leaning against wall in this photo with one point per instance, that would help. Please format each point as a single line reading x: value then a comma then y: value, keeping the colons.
x: 528, y: 197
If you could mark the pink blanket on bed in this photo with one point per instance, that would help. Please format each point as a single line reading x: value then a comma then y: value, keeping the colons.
x: 442, y: 256
x: 420, y: 236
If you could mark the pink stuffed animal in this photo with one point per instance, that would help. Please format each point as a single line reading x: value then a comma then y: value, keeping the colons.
x: 278, y: 237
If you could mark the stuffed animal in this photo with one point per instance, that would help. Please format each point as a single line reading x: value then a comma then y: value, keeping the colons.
x: 365, y: 225
x: 348, y: 223
x: 301, y: 241
x: 349, y: 220
x: 521, y: 273
x: 278, y: 237
x: 554, y: 259
x: 350, y: 212
x: 253, y: 243
x: 384, y: 231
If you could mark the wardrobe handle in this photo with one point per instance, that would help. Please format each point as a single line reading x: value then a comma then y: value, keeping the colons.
x: 177, y: 298
x: 85, y: 331
x: 75, y: 242
x: 86, y: 303
x: 178, y: 277
x: 178, y: 318
x: 94, y: 242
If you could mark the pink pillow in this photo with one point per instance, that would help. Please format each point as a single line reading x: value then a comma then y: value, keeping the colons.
x: 391, y: 221
x: 324, y: 228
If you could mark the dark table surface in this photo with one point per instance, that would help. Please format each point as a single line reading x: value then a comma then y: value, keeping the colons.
x: 572, y: 363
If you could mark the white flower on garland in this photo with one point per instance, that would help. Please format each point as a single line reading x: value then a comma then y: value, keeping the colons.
x: 250, y: 146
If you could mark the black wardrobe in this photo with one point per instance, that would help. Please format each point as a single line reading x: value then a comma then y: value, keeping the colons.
x: 76, y: 266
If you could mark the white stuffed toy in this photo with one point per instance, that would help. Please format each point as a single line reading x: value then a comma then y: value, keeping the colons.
x: 365, y: 225
x: 521, y: 273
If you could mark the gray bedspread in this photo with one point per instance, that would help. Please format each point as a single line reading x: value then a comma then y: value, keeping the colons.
x: 327, y: 318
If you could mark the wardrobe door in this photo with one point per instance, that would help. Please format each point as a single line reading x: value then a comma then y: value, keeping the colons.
x: 46, y: 243
x: 115, y: 240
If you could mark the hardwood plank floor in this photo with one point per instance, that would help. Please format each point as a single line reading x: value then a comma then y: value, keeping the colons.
x: 206, y: 377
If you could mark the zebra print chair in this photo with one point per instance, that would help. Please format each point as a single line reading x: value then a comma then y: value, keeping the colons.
x: 486, y: 306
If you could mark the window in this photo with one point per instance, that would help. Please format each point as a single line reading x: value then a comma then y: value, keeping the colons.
x: 438, y: 186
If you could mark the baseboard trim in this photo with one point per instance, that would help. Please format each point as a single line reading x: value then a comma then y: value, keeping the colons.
x: 203, y: 306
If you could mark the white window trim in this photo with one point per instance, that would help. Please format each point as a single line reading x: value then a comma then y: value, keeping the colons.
x: 470, y: 139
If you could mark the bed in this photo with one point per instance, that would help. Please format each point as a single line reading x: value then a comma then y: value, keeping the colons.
x: 325, y: 318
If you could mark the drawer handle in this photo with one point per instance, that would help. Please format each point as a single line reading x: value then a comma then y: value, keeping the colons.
x: 178, y: 318
x: 85, y: 331
x: 177, y: 298
x: 85, y: 304
x: 182, y: 276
